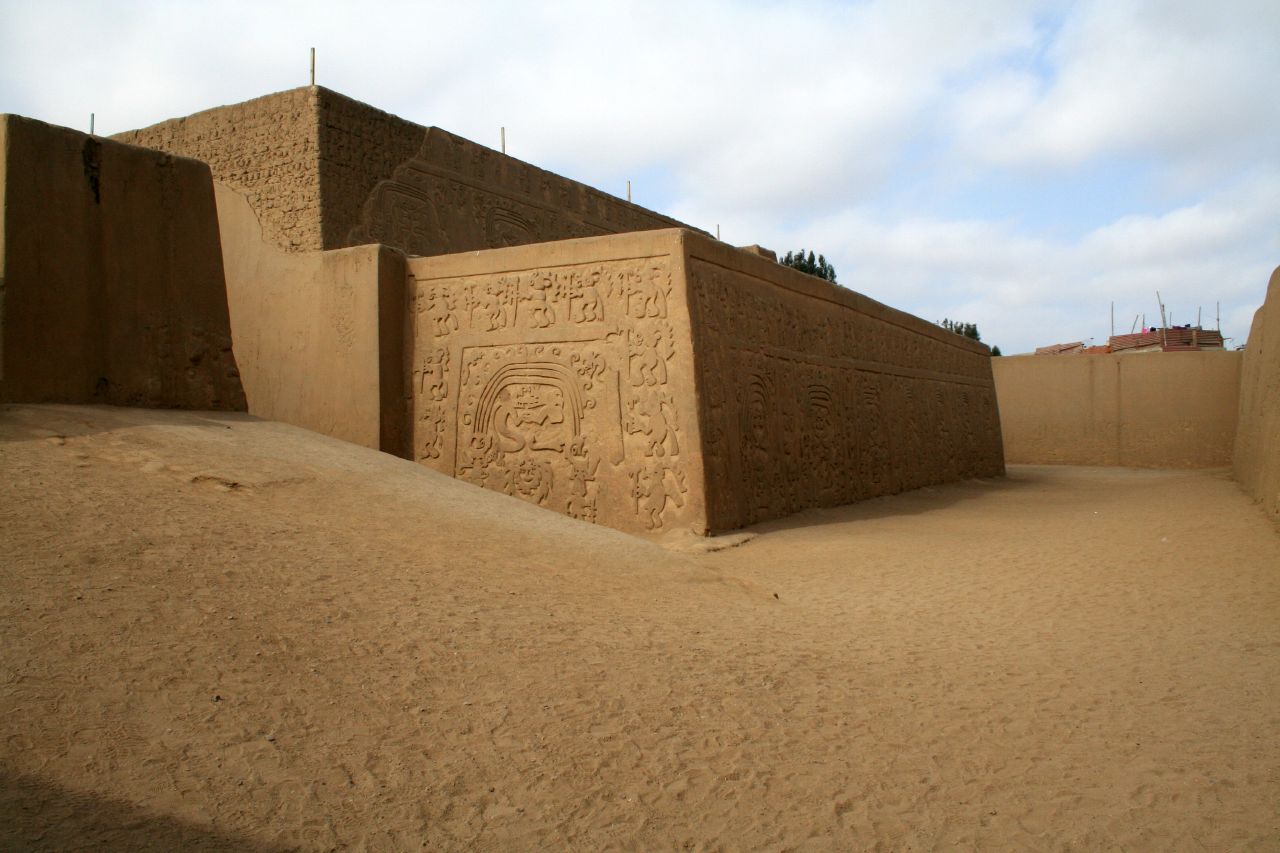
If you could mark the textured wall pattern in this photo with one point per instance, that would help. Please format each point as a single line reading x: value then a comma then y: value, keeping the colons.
x: 820, y: 398
x: 1257, y: 446
x: 649, y: 381
x: 323, y: 171
x: 564, y: 384
x: 267, y: 149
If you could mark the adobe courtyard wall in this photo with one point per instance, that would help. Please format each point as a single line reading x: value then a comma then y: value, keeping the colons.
x: 1256, y: 460
x: 813, y: 395
x: 319, y: 335
x: 1145, y: 410
x: 658, y: 380
x: 324, y: 171
x: 111, y: 277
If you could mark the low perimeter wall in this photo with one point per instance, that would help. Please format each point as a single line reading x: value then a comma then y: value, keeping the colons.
x: 662, y: 379
x: 1257, y: 450
x: 1147, y: 410
x: 111, y: 279
x: 319, y: 335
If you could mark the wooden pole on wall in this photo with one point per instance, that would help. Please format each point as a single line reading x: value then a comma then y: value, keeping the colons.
x: 313, y: 66
x: 1113, y: 318
x: 1164, y: 321
x: 91, y: 124
x: 628, y: 191
x: 502, y: 134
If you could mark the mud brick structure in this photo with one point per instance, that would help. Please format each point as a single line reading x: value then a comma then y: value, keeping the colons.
x: 324, y: 171
x: 1256, y: 460
x: 1141, y: 410
x: 111, y: 278
x: 663, y: 379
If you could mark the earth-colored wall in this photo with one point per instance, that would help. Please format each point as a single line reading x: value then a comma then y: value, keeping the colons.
x: 267, y: 149
x: 324, y: 171
x: 1145, y: 410
x: 111, y: 278
x: 1257, y: 447
x: 662, y: 379
x: 319, y: 335
x: 814, y: 395
x: 562, y: 374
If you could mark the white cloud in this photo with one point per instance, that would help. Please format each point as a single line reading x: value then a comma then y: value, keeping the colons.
x: 827, y: 124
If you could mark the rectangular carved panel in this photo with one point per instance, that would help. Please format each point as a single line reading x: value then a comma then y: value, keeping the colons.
x: 566, y: 384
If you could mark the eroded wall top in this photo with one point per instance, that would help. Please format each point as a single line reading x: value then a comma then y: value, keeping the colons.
x: 324, y: 171
x: 267, y: 149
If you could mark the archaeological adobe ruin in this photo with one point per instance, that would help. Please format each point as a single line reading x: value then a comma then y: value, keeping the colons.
x: 406, y: 289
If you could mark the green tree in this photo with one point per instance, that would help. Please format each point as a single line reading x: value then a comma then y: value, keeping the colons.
x: 969, y: 330
x: 808, y: 263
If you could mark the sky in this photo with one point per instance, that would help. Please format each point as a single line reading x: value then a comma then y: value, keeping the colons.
x: 1018, y: 165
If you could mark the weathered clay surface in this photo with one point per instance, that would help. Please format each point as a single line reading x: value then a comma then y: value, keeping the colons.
x: 319, y: 335
x: 111, y: 278
x: 562, y: 374
x: 660, y: 380
x: 1147, y: 410
x: 324, y: 171
x: 813, y: 395
x: 1257, y: 446
x: 267, y: 148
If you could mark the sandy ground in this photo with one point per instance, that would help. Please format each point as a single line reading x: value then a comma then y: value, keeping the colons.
x: 218, y: 633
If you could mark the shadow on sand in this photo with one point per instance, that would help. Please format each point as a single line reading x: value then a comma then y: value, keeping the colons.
x: 39, y: 814
x: 913, y: 502
x: 51, y: 421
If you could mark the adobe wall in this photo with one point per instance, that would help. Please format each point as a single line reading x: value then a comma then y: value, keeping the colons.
x: 324, y: 171
x: 1147, y: 410
x: 562, y: 374
x: 111, y: 278
x: 814, y: 395
x: 663, y: 379
x: 319, y: 335
x: 267, y: 149
x: 1256, y: 459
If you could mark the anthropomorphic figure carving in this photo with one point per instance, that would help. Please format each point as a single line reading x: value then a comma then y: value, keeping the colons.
x: 588, y: 308
x: 582, y: 477
x: 441, y: 304
x: 652, y: 487
x: 541, y: 314
x: 649, y: 353
x: 529, y: 416
x: 654, y: 417
x: 434, y: 381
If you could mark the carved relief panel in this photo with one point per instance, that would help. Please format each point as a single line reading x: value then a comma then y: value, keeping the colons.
x: 555, y: 385
x: 806, y: 402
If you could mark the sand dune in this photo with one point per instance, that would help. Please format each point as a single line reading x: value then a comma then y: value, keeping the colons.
x: 222, y: 633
